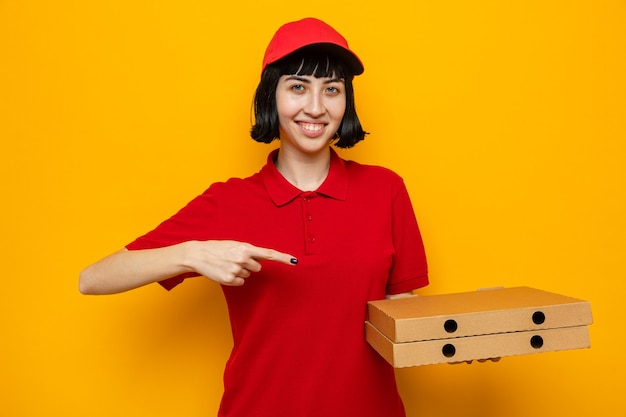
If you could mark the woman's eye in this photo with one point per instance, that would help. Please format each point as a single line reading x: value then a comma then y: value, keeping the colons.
x: 332, y: 90
x: 297, y: 87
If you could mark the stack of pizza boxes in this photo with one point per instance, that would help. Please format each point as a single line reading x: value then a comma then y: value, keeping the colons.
x: 476, y: 325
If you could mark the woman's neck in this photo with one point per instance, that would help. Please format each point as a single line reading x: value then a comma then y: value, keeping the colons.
x: 304, y: 171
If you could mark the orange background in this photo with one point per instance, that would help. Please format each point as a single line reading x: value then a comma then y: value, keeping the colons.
x: 506, y: 119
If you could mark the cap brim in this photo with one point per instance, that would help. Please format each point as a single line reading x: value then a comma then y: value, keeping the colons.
x: 353, y: 63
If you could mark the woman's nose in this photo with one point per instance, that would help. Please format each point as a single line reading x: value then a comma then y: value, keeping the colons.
x: 314, y: 105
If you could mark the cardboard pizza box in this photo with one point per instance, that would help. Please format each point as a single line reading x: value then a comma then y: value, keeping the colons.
x: 475, y: 313
x: 476, y: 325
x: 498, y: 345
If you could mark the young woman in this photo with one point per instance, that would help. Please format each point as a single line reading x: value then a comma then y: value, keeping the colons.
x: 299, y: 248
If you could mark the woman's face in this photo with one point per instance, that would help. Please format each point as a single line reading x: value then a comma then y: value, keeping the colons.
x: 310, y: 111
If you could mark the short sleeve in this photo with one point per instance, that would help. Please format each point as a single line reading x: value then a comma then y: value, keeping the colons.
x: 409, y: 270
x: 196, y: 221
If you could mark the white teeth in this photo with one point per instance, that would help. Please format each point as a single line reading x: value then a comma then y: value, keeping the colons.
x: 312, y: 127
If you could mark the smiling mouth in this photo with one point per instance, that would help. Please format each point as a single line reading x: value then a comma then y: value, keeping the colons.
x: 312, y: 127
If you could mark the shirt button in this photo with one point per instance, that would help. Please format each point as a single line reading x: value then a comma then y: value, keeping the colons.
x: 309, y: 217
x: 311, y: 239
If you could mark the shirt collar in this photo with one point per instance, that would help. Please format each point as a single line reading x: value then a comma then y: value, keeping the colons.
x: 282, y: 191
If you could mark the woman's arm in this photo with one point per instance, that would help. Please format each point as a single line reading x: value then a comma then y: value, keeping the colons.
x: 401, y: 295
x: 224, y: 261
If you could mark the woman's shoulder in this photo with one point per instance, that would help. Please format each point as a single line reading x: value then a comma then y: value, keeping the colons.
x: 234, y: 185
x: 376, y: 172
x: 374, y: 179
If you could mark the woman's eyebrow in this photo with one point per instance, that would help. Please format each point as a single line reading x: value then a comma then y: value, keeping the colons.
x: 297, y: 78
x: 305, y: 80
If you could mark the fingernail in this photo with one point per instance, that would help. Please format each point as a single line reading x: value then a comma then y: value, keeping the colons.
x: 293, y: 261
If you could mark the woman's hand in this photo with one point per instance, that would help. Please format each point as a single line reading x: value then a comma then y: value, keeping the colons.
x: 229, y: 262
x: 479, y: 360
x: 224, y: 261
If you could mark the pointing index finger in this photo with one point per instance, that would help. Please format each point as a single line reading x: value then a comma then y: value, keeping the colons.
x: 274, y: 255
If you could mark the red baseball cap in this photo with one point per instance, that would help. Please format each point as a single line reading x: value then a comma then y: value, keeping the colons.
x: 310, y: 32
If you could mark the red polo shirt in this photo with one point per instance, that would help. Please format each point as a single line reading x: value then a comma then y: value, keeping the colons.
x: 299, y: 346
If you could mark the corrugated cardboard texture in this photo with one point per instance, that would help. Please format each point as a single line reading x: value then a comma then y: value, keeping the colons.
x: 432, y: 352
x: 476, y: 313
